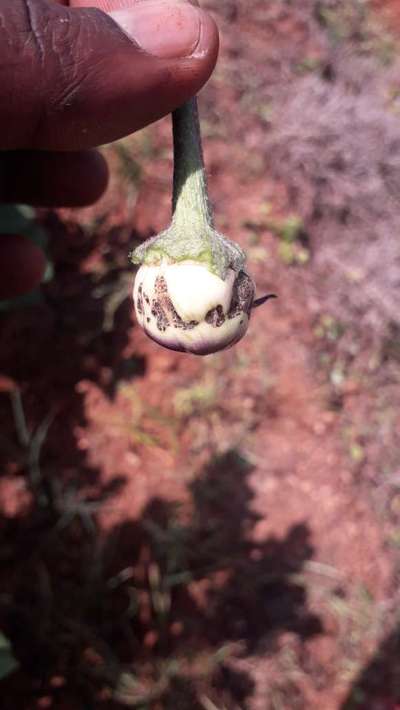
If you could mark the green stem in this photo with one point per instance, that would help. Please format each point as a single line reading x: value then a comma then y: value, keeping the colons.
x: 191, y: 235
x: 190, y: 203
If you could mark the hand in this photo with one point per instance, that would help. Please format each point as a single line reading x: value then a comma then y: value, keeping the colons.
x: 75, y: 77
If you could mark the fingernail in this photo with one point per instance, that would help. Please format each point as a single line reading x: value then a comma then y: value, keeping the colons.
x: 164, y: 28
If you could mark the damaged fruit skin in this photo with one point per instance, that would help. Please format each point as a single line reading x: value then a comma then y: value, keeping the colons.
x: 187, y: 308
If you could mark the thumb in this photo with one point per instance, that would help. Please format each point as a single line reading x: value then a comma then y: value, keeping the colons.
x: 74, y: 78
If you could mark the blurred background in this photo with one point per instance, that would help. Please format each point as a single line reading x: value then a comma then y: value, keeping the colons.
x: 220, y: 533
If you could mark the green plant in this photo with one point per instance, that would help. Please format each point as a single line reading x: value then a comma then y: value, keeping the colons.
x: 290, y: 231
x: 197, y: 398
x: 21, y: 220
x: 8, y: 662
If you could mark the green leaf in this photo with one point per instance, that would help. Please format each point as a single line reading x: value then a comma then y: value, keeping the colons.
x: 27, y: 299
x: 8, y: 662
x: 15, y: 218
x: 20, y: 219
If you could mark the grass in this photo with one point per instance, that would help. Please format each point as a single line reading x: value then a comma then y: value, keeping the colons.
x: 128, y: 168
x: 31, y: 443
x: 74, y: 616
x: 329, y: 328
x: 197, y: 398
x: 355, y: 21
x: 360, y: 618
x: 290, y: 231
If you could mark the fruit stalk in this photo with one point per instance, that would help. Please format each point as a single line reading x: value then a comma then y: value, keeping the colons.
x: 190, y: 202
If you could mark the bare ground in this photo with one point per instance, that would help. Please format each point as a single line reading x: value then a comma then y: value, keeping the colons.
x: 221, y: 532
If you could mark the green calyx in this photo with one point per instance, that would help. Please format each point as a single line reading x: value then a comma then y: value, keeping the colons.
x: 203, y: 246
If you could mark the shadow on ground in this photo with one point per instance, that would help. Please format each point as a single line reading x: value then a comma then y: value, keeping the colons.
x: 171, y: 600
x: 378, y: 685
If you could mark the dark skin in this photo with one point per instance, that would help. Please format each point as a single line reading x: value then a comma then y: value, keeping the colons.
x: 73, y: 78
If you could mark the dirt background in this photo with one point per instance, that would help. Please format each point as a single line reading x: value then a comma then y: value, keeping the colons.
x: 221, y: 533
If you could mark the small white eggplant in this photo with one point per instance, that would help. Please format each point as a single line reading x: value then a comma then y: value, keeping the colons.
x: 186, y: 307
x: 192, y: 292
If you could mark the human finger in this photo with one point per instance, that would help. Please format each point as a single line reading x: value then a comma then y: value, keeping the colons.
x: 46, y: 179
x: 74, y: 78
